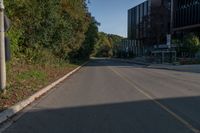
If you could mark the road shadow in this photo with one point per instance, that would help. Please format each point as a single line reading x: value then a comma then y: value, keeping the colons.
x: 102, y: 62
x: 121, y: 117
x: 168, y: 69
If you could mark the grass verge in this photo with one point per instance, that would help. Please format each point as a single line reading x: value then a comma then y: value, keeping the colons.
x: 24, y: 79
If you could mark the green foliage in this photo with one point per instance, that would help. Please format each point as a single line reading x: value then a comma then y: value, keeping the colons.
x: 46, y: 36
x: 33, y: 74
x: 190, y: 44
x: 90, y: 40
x: 59, y: 27
x: 105, y: 44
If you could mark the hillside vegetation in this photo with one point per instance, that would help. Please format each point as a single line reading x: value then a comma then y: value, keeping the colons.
x: 47, y: 38
x: 106, y: 44
x: 50, y: 29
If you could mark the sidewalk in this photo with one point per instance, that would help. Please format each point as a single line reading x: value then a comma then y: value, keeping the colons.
x: 135, y: 61
x: 185, y: 68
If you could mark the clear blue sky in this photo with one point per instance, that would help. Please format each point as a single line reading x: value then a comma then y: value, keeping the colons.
x: 112, y: 14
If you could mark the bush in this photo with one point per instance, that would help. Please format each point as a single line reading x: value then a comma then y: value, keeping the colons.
x: 106, y: 45
x: 189, y: 46
x: 41, y: 28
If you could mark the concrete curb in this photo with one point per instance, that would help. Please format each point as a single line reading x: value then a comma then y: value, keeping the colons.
x: 138, y: 63
x: 175, y: 69
x: 148, y: 65
x: 163, y: 68
x: 11, y: 111
x: 132, y: 62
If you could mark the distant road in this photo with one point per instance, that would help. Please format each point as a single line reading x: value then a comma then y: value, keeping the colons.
x: 108, y: 96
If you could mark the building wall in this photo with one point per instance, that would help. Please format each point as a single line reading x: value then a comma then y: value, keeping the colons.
x: 186, y: 14
x: 136, y: 23
x: 141, y: 21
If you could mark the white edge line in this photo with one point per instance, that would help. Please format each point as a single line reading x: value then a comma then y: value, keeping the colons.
x: 11, y: 111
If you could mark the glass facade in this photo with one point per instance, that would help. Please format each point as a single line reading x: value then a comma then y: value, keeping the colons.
x: 140, y: 21
x: 136, y: 24
x: 186, y: 13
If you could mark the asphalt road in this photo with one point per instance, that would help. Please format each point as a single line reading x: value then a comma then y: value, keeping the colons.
x: 109, y: 96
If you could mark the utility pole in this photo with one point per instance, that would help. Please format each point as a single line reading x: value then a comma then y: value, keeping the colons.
x: 2, y: 48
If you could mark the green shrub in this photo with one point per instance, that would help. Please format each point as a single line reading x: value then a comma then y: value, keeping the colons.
x: 32, y: 75
x: 49, y: 28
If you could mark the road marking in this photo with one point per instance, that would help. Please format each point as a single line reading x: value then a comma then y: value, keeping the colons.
x: 180, y: 119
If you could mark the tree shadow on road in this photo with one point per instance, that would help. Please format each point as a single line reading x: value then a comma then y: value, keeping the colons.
x: 119, y: 117
x: 102, y: 62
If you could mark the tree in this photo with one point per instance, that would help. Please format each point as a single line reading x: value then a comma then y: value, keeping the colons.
x: 106, y: 44
x: 58, y: 26
x: 91, y: 39
x: 192, y: 43
x: 189, y: 45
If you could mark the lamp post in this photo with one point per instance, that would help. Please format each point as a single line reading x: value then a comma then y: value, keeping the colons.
x: 2, y: 48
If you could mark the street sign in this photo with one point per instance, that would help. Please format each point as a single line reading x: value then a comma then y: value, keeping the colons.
x: 7, y: 49
x: 169, y: 40
x: 6, y: 23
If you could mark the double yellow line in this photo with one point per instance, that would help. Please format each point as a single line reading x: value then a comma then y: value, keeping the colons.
x: 176, y: 116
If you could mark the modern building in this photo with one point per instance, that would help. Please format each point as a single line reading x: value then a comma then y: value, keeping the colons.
x: 149, y: 22
x: 185, y: 15
x: 136, y: 23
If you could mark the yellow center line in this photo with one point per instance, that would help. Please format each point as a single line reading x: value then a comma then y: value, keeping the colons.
x: 176, y: 116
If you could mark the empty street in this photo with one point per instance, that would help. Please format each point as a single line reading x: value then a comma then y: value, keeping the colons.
x: 111, y: 96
